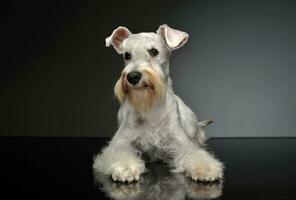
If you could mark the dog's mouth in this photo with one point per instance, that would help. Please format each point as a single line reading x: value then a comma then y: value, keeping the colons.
x: 148, y: 86
x: 140, y: 86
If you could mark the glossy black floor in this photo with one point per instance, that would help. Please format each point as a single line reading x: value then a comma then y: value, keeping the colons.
x: 52, y: 168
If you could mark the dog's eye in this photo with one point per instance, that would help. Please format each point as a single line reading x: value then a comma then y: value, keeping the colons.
x: 127, y: 56
x: 153, y: 52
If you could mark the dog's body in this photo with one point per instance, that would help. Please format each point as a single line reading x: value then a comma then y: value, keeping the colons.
x: 152, y: 119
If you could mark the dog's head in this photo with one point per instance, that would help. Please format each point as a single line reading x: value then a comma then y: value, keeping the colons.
x: 143, y: 81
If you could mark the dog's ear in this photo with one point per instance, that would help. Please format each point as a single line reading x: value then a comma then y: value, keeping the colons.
x: 174, y: 38
x: 117, y: 37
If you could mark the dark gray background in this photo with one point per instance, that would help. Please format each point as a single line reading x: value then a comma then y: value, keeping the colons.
x: 238, y: 67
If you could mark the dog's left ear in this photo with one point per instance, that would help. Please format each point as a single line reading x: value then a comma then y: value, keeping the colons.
x: 117, y: 37
x: 174, y: 38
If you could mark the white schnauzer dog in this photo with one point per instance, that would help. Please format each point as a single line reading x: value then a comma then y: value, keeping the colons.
x: 153, y: 121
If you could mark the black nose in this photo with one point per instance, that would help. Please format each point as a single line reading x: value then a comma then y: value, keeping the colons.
x: 134, y: 77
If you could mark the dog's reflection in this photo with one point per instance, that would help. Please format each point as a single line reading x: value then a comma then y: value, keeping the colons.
x: 159, y: 183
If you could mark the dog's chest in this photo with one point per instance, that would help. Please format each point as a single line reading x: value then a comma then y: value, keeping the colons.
x: 157, y: 122
x: 158, y: 126
x: 153, y: 137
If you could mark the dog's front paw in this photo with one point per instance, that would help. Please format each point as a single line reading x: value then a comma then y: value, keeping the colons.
x: 207, y: 170
x: 126, y: 173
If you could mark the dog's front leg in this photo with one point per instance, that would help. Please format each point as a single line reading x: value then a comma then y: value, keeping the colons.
x: 120, y: 159
x: 196, y: 162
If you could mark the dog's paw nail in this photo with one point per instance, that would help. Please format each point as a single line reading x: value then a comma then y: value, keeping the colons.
x: 137, y: 177
x: 129, y: 179
x: 114, y: 177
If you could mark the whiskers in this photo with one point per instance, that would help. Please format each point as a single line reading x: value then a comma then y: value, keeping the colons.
x: 143, y: 96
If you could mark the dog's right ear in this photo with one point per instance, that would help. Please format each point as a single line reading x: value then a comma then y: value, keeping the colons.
x: 117, y: 37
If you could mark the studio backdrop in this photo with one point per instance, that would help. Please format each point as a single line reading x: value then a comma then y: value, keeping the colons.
x: 238, y: 67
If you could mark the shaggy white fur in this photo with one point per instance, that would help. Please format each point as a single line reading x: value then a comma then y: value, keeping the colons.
x: 153, y: 121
